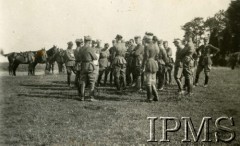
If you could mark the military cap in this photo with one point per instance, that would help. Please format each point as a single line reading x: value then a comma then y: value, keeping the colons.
x: 155, y: 38
x: 176, y: 40
x: 131, y: 40
x: 87, y: 38
x: 149, y: 33
x: 148, y: 38
x: 70, y: 43
x: 164, y: 42
x: 119, y: 37
x: 160, y: 41
x: 79, y: 41
x: 106, y: 44
x: 137, y: 37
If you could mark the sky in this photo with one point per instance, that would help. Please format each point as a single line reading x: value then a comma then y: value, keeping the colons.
x: 35, y: 24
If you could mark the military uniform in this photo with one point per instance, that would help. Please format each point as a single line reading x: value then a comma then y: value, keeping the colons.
x: 70, y: 63
x: 129, y: 69
x: 150, y: 69
x: 103, y: 65
x: 169, y: 66
x: 77, y: 53
x: 188, y: 65
x: 205, y: 61
x: 178, y: 68
x: 111, y: 58
x: 119, y: 65
x: 162, y: 61
x: 87, y: 74
x: 137, y: 54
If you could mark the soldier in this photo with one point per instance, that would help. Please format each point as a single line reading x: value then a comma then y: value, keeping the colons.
x: 205, y: 61
x: 87, y: 74
x: 162, y: 62
x: 119, y: 63
x: 137, y: 54
x: 178, y: 67
x: 129, y: 59
x: 188, y: 63
x: 70, y: 62
x: 97, y: 48
x: 169, y: 66
x: 150, y: 67
x: 111, y: 58
x: 79, y: 44
x: 104, y: 64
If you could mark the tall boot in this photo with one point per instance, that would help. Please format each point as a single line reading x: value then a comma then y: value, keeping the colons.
x: 196, y: 80
x: 69, y: 80
x: 91, y: 92
x: 77, y: 79
x: 189, y: 86
x: 179, y: 85
x: 206, y: 79
x: 139, y: 82
x: 155, y: 93
x: 82, y: 90
x: 149, y: 93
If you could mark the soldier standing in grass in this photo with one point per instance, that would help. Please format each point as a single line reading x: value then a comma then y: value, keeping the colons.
x: 162, y: 62
x: 150, y: 67
x: 87, y: 75
x: 137, y: 54
x: 169, y: 66
x: 79, y: 44
x: 178, y: 67
x: 70, y: 62
x: 103, y: 64
x: 205, y: 61
x: 111, y: 58
x: 188, y: 63
x: 129, y: 59
x: 119, y: 63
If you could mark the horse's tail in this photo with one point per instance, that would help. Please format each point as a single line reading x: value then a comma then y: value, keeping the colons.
x: 2, y: 53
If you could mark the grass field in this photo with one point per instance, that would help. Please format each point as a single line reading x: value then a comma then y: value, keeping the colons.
x: 42, y: 110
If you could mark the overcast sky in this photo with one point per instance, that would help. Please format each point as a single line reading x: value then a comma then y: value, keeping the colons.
x: 33, y: 24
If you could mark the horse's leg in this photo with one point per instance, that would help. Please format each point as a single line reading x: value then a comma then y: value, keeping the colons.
x: 52, y: 67
x: 15, y: 65
x: 59, y: 68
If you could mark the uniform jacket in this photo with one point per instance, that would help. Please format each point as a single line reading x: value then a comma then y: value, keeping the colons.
x: 70, y: 59
x: 178, y: 61
x: 149, y: 62
x: 129, y: 55
x: 137, y: 54
x: 205, y: 51
x: 162, y: 56
x: 103, y: 60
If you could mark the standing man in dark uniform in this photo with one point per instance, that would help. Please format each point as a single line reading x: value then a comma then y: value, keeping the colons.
x: 188, y: 63
x: 137, y: 54
x: 150, y: 67
x: 129, y: 59
x: 162, y: 62
x: 70, y: 62
x: 119, y: 63
x: 178, y: 67
x: 87, y: 74
x: 111, y: 58
x: 104, y: 64
x: 205, y: 61
x: 79, y: 44
x: 169, y: 66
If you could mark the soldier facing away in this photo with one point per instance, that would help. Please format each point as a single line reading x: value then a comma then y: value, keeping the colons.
x: 169, y: 66
x: 77, y: 52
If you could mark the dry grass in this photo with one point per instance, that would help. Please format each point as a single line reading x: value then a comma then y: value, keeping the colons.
x: 42, y: 110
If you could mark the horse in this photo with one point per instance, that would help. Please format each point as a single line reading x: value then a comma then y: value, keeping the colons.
x: 234, y: 59
x: 32, y: 58
x: 51, y: 53
x: 11, y: 57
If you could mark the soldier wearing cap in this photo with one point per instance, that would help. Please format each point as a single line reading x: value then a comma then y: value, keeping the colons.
x: 70, y: 62
x: 137, y: 54
x: 169, y: 66
x: 150, y: 67
x: 97, y: 48
x: 119, y: 63
x: 162, y: 62
x: 205, y: 61
x: 178, y: 67
x: 188, y: 63
x: 111, y: 58
x: 104, y: 64
x: 79, y: 44
x: 87, y: 74
x: 129, y: 59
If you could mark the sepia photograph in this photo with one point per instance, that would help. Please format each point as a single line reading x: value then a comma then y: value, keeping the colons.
x: 119, y: 72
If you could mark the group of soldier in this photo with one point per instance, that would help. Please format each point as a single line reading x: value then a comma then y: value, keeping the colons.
x: 143, y: 63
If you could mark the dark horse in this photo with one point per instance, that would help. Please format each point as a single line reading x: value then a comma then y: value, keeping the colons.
x: 32, y: 58
x: 51, y: 53
x: 11, y: 57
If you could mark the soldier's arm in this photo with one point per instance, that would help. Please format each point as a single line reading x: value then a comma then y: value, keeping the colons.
x: 93, y: 54
x: 214, y: 49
